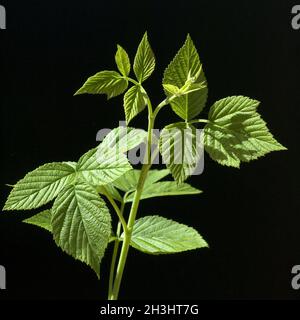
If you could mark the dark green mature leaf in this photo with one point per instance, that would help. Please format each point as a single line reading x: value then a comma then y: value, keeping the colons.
x: 181, y: 147
x: 81, y: 224
x: 42, y: 220
x: 236, y: 132
x: 158, y: 235
x: 134, y: 102
x: 186, y: 65
x: 110, y: 83
x: 40, y: 186
x: 165, y: 188
x: 144, y: 61
x: 122, y: 61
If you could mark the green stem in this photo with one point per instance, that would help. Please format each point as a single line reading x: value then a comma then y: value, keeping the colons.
x: 115, y: 253
x: 117, y: 210
x: 132, y: 81
x: 127, y: 235
x: 134, y: 207
x: 112, y: 266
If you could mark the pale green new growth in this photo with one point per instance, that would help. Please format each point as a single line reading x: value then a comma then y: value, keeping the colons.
x: 134, y: 102
x: 186, y: 65
x: 109, y: 82
x: 79, y: 219
x: 144, y: 61
x: 122, y: 61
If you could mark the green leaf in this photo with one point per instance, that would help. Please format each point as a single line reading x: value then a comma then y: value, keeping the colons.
x: 39, y: 186
x: 42, y: 220
x: 81, y: 224
x: 134, y: 102
x: 158, y: 235
x: 128, y: 182
x: 100, y: 168
x: 171, y: 89
x: 189, y: 87
x: 123, y: 139
x: 181, y: 148
x: 144, y: 61
x: 186, y: 66
x: 165, y: 188
x: 236, y: 132
x: 107, y: 162
x: 110, y: 83
x: 122, y: 61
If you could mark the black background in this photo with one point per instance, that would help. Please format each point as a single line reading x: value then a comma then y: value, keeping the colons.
x: 250, y: 217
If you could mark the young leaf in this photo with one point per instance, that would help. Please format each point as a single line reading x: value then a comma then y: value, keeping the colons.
x: 158, y: 235
x: 110, y: 83
x: 128, y: 182
x: 39, y: 186
x: 42, y: 220
x: 81, y: 224
x: 171, y: 89
x: 186, y: 65
x: 134, y: 102
x: 165, y: 188
x: 144, y: 61
x: 122, y: 61
x: 189, y: 87
x: 181, y: 148
x: 236, y: 132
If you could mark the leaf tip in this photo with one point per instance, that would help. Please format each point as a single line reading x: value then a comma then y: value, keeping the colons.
x: 7, y: 207
x: 78, y: 92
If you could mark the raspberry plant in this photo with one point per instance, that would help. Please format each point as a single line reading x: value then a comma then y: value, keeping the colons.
x: 79, y: 218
